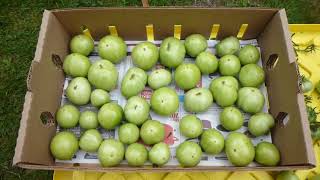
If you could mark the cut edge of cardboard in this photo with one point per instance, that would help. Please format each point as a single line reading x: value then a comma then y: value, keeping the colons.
x: 97, y: 168
x: 279, y: 99
x: 28, y: 97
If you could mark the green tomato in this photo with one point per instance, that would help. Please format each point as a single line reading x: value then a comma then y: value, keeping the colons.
x: 136, y: 154
x: 224, y: 95
x: 90, y: 140
x: 64, y: 145
x: 112, y: 48
x: 137, y: 110
x: 152, y: 132
x: 164, y: 101
x: 227, y: 46
x: 267, y: 154
x: 287, y: 175
x: 251, y: 75
x: 191, y: 126
x: 145, y: 55
x: 207, y: 62
x: 212, y: 141
x: 260, y: 124
x: 128, y: 133
x: 229, y: 65
x: 76, y: 65
x: 110, y: 153
x: 103, y: 75
x: 249, y: 54
x: 229, y: 81
x: 68, y: 116
x: 187, y: 76
x: 99, y: 97
x: 137, y: 73
x: 78, y: 91
x: 159, y: 78
x: 88, y: 120
x: 250, y: 100
x: 133, y: 82
x: 306, y: 86
x: 172, y: 52
x: 239, y: 149
x: 198, y: 100
x: 81, y: 44
x: 188, y: 154
x: 159, y: 154
x: 195, y: 44
x: 110, y: 115
x: 231, y: 118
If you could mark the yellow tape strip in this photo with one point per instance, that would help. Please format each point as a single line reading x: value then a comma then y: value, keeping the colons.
x: 149, y: 30
x: 113, y: 30
x: 177, y: 31
x: 242, y: 30
x: 87, y: 33
x: 214, y: 31
x: 304, y: 27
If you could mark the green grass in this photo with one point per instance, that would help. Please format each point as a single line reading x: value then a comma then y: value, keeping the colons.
x: 298, y: 11
x: 19, y: 25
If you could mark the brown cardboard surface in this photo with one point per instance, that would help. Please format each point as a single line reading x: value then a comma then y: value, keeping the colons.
x: 97, y: 168
x: 294, y: 138
x: 131, y: 22
x: 45, y: 85
x: 46, y: 79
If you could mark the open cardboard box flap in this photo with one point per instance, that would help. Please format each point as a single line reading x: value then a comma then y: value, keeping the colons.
x: 269, y: 26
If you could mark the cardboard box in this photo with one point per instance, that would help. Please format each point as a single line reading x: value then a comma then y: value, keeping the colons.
x: 45, y: 80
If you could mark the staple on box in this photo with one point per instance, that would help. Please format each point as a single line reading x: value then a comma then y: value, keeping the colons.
x: 150, y: 34
x: 242, y: 30
x: 214, y: 31
x: 177, y: 31
x: 113, y: 30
